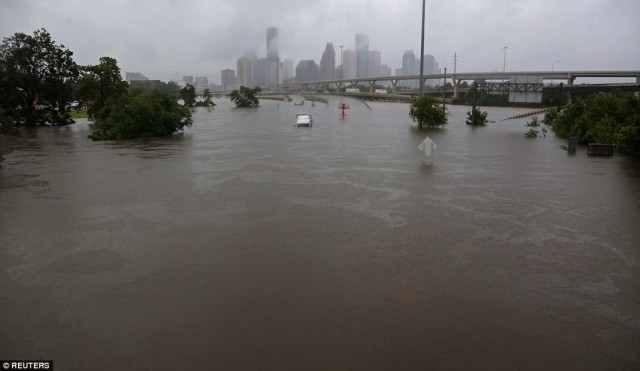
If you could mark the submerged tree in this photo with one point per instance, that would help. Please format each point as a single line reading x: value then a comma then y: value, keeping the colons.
x: 99, y: 84
x: 603, y: 118
x: 245, y: 97
x: 36, y: 77
x: 137, y: 114
x: 207, y: 99
x: 426, y: 111
x: 188, y: 95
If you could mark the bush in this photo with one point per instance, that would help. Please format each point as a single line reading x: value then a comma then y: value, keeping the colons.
x: 603, y: 118
x: 534, y: 123
x: 136, y: 115
x: 426, y: 112
x: 532, y: 133
x: 477, y: 119
x: 550, y: 116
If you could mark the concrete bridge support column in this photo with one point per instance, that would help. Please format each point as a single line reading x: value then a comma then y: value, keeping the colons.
x: 394, y: 86
x: 570, y: 80
x: 456, y: 87
x: 372, y: 86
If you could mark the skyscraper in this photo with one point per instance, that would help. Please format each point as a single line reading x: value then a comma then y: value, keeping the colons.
x: 410, y: 66
x: 272, y: 43
x: 374, y: 63
x: 362, y: 55
x: 252, y: 54
x: 272, y: 67
x: 349, y: 61
x: 306, y: 70
x: 227, y: 78
x: 328, y: 63
x: 245, y: 72
x: 288, y: 69
x: 431, y: 67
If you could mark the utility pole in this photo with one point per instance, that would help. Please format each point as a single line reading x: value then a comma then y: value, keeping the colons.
x: 455, y: 63
x: 422, y: 52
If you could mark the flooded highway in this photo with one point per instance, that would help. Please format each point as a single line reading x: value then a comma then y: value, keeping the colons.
x: 248, y: 243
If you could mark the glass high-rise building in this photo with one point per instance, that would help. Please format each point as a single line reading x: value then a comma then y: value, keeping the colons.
x: 362, y: 55
x: 328, y: 63
x: 272, y: 43
x: 272, y: 66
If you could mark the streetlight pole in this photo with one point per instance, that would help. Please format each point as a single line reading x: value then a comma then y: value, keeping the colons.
x: 553, y: 65
x: 422, y: 52
x: 341, y: 68
x: 504, y: 60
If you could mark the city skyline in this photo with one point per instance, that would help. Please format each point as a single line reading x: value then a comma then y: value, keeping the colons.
x: 170, y: 39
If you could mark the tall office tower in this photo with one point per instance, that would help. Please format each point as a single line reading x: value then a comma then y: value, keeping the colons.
x: 227, y: 79
x: 307, y: 70
x: 374, y: 63
x: 385, y: 71
x: 431, y: 67
x: 272, y: 43
x: 327, y: 63
x: 338, y: 72
x: 349, y: 64
x: 245, y: 71
x: 260, y: 77
x: 288, y: 72
x: 188, y: 80
x: 252, y: 54
x: 362, y: 55
x: 410, y: 66
x: 272, y: 67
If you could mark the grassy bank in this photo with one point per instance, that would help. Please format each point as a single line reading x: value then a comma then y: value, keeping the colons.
x: 81, y: 114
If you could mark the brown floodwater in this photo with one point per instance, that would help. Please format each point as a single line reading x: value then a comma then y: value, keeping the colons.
x: 247, y: 243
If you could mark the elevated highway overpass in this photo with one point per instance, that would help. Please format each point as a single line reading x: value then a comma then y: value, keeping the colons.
x: 568, y: 77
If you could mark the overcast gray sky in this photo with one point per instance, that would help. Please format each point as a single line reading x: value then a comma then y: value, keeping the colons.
x: 166, y: 39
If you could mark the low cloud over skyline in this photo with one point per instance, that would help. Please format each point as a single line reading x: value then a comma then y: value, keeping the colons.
x: 169, y: 39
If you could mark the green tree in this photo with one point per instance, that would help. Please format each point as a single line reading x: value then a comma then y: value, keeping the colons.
x: 603, y: 118
x: 6, y: 124
x: 36, y: 76
x: 245, y: 97
x: 99, y: 84
x: 188, y: 95
x: 550, y: 116
x: 207, y: 99
x: 426, y: 112
x: 475, y: 117
x: 137, y: 114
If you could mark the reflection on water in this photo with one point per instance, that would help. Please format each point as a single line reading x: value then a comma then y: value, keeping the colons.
x: 248, y: 243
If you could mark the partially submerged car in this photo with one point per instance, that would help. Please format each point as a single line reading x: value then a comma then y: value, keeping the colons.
x: 304, y: 119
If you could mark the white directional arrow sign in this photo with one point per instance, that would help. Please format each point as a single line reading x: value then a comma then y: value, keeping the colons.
x: 427, y: 146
